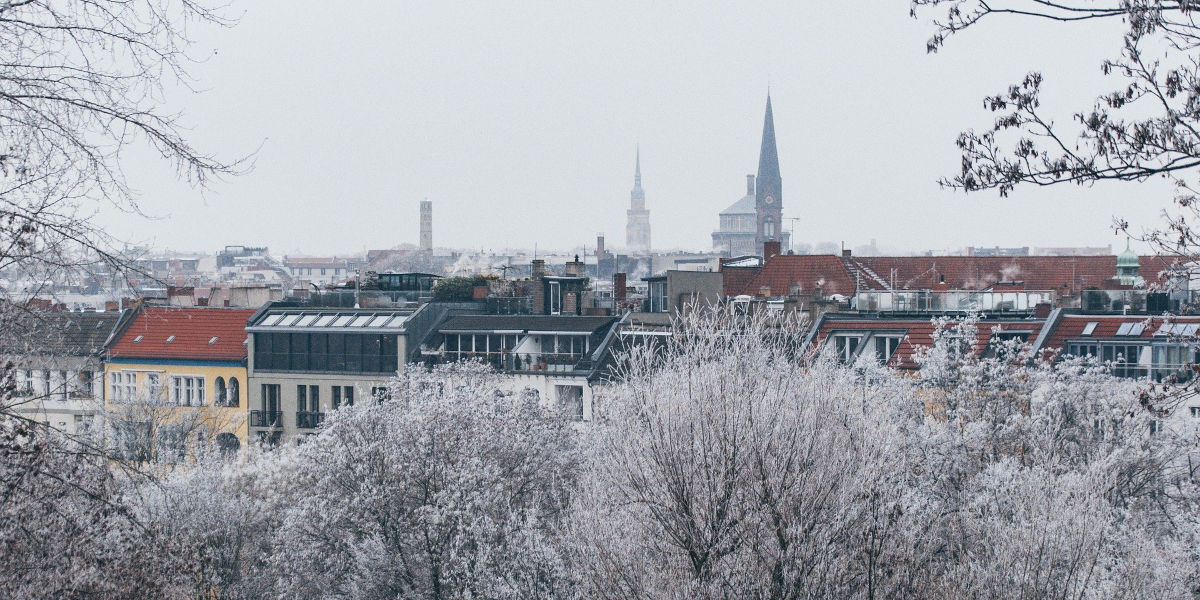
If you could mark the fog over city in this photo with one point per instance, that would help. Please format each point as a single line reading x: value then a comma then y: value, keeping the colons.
x: 629, y: 301
x: 520, y: 123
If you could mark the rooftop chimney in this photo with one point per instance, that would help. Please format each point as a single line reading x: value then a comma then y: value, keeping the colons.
x: 600, y: 245
x: 538, y: 268
x: 575, y: 267
x: 619, y: 287
x: 846, y: 252
x: 770, y: 248
x: 750, y: 185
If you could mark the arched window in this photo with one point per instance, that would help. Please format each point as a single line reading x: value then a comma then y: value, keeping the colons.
x: 221, y: 399
x: 769, y: 228
x: 233, y: 394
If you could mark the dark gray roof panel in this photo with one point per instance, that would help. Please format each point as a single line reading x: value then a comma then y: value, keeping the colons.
x: 62, y: 333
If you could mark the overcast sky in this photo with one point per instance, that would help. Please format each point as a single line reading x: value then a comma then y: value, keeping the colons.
x: 520, y: 121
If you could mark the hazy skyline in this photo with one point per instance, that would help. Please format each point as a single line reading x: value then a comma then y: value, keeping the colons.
x: 520, y: 123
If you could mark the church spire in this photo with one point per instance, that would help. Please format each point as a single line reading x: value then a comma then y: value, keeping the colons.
x: 637, y: 230
x: 637, y: 168
x: 768, y: 155
x: 768, y: 187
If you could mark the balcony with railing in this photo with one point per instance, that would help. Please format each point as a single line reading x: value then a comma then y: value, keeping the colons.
x: 909, y: 301
x: 1138, y: 301
x: 266, y: 418
x: 522, y: 362
x: 309, y: 419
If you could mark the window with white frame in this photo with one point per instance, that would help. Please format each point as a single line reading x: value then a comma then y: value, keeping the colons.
x: 122, y: 386
x: 657, y: 296
x: 570, y: 400
x: 154, y: 389
x: 555, y: 298
x: 1083, y: 348
x: 885, y: 346
x: 845, y: 346
x: 187, y: 390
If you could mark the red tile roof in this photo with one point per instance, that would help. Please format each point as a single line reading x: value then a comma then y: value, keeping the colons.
x: 807, y: 272
x: 845, y: 275
x: 192, y: 328
x: 1071, y: 273
x: 1070, y: 327
x: 918, y: 333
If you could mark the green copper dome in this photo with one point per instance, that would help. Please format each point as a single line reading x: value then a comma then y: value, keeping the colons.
x: 1128, y: 258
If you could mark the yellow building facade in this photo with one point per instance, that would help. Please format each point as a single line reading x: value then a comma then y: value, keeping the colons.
x: 174, y: 377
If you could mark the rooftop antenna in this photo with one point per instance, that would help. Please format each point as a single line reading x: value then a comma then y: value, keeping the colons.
x: 792, y: 235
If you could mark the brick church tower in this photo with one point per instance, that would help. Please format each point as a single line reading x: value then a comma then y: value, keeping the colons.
x: 637, y: 229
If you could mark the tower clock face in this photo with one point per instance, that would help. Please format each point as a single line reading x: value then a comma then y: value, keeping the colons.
x: 769, y: 200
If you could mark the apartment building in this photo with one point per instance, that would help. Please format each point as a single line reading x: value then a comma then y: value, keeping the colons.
x: 57, y: 368
x: 307, y: 361
x: 174, y: 376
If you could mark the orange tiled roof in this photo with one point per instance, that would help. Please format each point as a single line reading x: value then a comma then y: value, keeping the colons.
x: 847, y: 275
x: 199, y: 333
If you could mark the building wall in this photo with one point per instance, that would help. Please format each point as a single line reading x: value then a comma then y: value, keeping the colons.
x: 219, y: 419
x: 684, y: 286
x: 288, y: 393
x: 69, y: 405
x: 547, y: 387
x: 735, y: 243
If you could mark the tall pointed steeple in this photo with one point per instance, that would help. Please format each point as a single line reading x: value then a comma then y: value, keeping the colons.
x: 768, y: 155
x: 768, y: 192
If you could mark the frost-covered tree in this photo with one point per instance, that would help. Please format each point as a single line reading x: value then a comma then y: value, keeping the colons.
x: 1050, y: 480
x: 68, y: 529
x: 719, y: 466
x: 84, y: 83
x: 225, y: 514
x: 721, y: 469
x: 451, y: 489
x: 83, y: 86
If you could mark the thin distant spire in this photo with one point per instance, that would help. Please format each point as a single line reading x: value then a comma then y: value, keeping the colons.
x: 637, y: 168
